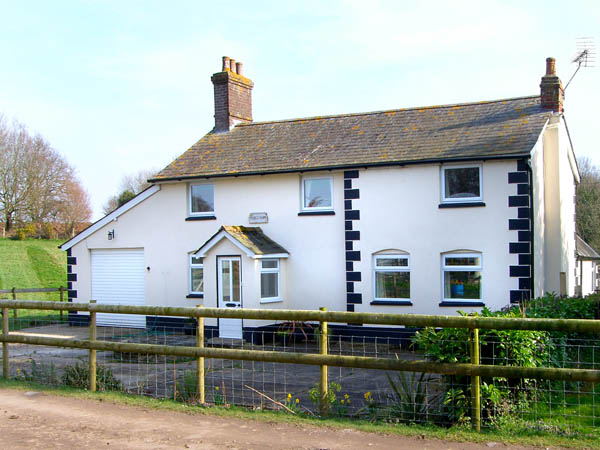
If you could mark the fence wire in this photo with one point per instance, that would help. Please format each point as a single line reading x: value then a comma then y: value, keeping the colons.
x: 538, y: 405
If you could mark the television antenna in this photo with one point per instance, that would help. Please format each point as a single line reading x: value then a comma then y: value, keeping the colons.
x: 585, y: 57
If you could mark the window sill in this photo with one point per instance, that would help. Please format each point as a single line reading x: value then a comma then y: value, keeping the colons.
x: 271, y: 300
x: 194, y: 296
x: 392, y: 302
x: 200, y: 218
x: 316, y: 213
x: 461, y: 303
x: 461, y: 205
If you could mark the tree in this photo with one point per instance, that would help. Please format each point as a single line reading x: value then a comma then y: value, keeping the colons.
x: 37, y: 185
x: 131, y: 185
x: 588, y: 203
x: 75, y: 207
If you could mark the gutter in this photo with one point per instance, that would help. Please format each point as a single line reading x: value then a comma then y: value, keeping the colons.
x: 345, y: 167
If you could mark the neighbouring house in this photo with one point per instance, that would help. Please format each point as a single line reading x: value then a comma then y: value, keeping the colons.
x: 420, y: 210
x: 587, y: 272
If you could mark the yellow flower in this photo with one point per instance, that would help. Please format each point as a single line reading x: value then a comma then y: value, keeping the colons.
x: 289, y: 397
x: 297, y: 401
x: 367, y: 395
x: 217, y: 388
x: 346, y: 396
x: 342, y: 401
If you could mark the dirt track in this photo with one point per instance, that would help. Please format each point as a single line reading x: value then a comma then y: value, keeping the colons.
x: 31, y: 420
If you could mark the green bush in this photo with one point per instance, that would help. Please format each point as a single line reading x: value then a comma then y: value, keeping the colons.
x: 187, y: 391
x: 79, y: 376
x: 522, y: 348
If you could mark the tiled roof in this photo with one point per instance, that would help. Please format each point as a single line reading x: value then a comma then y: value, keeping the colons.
x: 492, y: 129
x: 584, y: 250
x: 252, y: 238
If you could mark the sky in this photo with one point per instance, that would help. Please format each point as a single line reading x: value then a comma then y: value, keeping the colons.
x: 122, y: 86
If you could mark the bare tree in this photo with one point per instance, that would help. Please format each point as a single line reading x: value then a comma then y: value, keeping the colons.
x: 75, y: 207
x: 35, y: 180
x: 130, y: 186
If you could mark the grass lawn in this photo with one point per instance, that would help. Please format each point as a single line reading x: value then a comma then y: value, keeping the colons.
x: 32, y: 263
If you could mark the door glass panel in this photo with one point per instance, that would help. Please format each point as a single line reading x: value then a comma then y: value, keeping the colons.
x: 226, y: 280
x: 235, y: 280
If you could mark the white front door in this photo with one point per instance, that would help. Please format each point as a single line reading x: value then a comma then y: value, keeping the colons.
x: 230, y: 294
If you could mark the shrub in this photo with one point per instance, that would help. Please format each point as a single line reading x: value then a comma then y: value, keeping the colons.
x: 47, y: 231
x: 79, y: 376
x: 187, y: 391
x: 522, y: 348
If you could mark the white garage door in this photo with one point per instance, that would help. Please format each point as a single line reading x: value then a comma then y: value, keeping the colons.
x: 118, y: 278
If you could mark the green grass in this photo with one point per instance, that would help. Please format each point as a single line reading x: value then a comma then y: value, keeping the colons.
x: 32, y: 263
x: 519, y: 435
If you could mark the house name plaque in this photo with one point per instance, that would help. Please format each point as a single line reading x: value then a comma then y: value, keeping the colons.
x: 258, y: 217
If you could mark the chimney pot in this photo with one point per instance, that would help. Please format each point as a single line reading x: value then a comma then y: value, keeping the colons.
x: 551, y: 90
x: 239, y: 67
x: 233, y: 96
x: 550, y: 66
x: 225, y: 63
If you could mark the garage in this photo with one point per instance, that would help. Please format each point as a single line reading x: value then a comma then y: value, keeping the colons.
x: 118, y: 278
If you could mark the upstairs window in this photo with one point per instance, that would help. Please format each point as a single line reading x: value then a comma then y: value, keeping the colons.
x: 269, y: 280
x: 461, y: 184
x: 392, y: 277
x: 202, y: 199
x: 317, y: 193
x: 462, y: 276
x: 196, y: 275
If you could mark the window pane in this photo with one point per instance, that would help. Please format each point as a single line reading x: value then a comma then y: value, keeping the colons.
x: 317, y: 193
x: 463, y: 261
x: 392, y: 262
x: 462, y: 183
x: 196, y: 260
x: 226, y: 280
x: 462, y: 285
x: 202, y: 198
x: 197, y: 280
x: 268, y: 285
x: 235, y: 273
x: 392, y: 284
x: 270, y: 264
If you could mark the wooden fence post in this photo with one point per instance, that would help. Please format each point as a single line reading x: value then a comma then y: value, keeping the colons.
x: 200, y: 360
x: 14, y: 296
x: 92, y: 352
x: 475, y: 386
x: 5, y: 373
x: 324, y: 385
x: 62, y: 291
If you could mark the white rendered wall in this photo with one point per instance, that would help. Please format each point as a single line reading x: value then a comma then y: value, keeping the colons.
x: 398, y: 209
x: 539, y: 221
x: 559, y: 183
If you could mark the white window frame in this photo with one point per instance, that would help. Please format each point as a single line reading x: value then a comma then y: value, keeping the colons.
x: 276, y: 270
x: 192, y: 266
x: 390, y: 269
x: 203, y: 213
x: 446, y: 268
x: 445, y: 199
x: 302, y: 197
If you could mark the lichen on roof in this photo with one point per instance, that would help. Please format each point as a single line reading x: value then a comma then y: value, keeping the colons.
x: 254, y: 239
x: 500, y: 128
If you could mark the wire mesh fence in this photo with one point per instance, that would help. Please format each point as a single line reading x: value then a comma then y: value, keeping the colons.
x: 412, y: 397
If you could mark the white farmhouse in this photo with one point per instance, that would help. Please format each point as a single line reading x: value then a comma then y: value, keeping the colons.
x: 422, y: 210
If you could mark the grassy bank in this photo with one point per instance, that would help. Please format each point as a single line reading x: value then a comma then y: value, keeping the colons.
x: 32, y: 263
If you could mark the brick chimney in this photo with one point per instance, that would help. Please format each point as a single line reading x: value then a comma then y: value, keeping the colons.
x: 233, y: 96
x: 551, y: 90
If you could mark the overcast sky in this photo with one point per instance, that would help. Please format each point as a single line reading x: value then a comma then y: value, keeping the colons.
x: 119, y: 86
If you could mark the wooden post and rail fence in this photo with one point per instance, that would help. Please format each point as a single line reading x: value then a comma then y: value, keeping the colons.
x: 14, y: 291
x: 475, y: 370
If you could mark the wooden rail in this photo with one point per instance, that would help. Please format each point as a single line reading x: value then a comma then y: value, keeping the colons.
x: 475, y: 370
x: 15, y: 291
